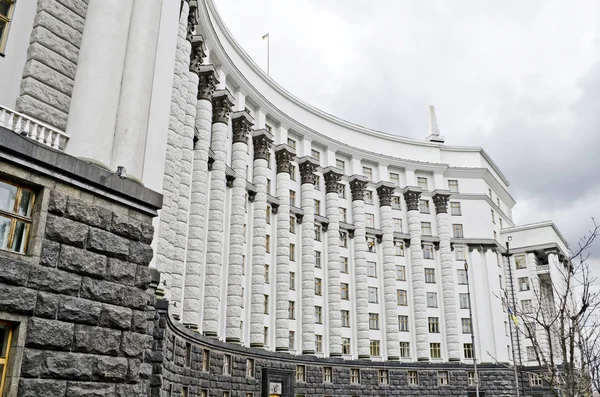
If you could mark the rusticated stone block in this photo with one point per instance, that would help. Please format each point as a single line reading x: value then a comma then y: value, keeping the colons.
x: 138, y: 321
x: 17, y: 299
x: 54, y: 280
x: 134, y: 298
x: 82, y: 262
x: 133, y: 373
x: 140, y: 253
x: 133, y: 344
x: 66, y: 231
x: 47, y: 305
x: 121, y: 272
x: 127, y: 227
x: 92, y: 389
x: 57, y: 204
x: 87, y: 213
x: 49, y: 334
x: 41, y: 387
x: 32, y: 363
x: 13, y: 271
x: 101, y: 291
x: 68, y: 365
x: 50, y: 253
x: 143, y: 277
x: 127, y: 390
x: 107, y: 243
x: 110, y: 369
x: 96, y: 340
x: 115, y: 317
x: 79, y: 310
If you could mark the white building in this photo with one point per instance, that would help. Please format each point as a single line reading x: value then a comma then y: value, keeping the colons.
x: 283, y: 227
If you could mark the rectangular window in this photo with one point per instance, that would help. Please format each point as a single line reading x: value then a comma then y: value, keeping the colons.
x: 205, y: 360
x: 317, y: 182
x: 268, y: 244
x: 341, y: 164
x: 266, y: 303
x: 443, y: 377
x: 374, y: 348
x: 345, y: 291
x: 427, y: 251
x: 400, y: 273
x: 413, y: 377
x: 292, y: 172
x: 404, y: 349
x: 396, y: 203
x: 292, y: 197
x: 266, y: 336
x: 269, y: 159
x: 373, y: 321
x: 424, y: 206
x: 291, y: 340
x: 292, y: 252
x: 300, y: 373
x: 401, y: 297
x: 342, y: 212
x: 370, y: 220
x: 268, y: 215
x: 227, y: 364
x: 185, y: 392
x: 368, y: 197
x: 373, y: 295
x: 266, y: 273
x: 531, y: 353
x: 292, y: 310
x: 341, y: 190
x: 426, y: 228
x: 464, y: 301
x: 399, y: 248
x: 466, y: 325
x: 318, y: 287
x: 6, y: 13
x: 457, y: 230
x: 368, y: 172
x: 383, y: 377
x: 434, y: 325
x: 188, y: 355
x: 403, y: 323
x: 493, y: 216
x: 292, y: 281
x: 371, y: 269
x: 354, y: 375
x: 526, y: 306
x: 250, y: 368
x: 422, y: 182
x: 397, y: 225
x: 346, y: 346
x: 471, y: 378
x: 268, y: 186
x: 371, y: 244
x: 328, y: 374
x: 429, y: 275
x: 468, y: 350
x: 490, y: 192
x: 459, y: 252
x: 453, y: 185
x: 395, y: 178
x: 344, y: 239
x: 523, y: 283
x: 315, y: 154
x: 535, y: 380
x: 435, y: 350
x: 500, y: 219
x: 344, y: 264
x: 455, y: 208
x: 291, y: 143
x: 432, y: 299
x: 345, y: 318
x: 520, y: 261
x: 16, y: 207
x: 318, y: 232
x: 318, y: 259
x: 318, y: 315
x: 319, y: 343
x: 317, y: 207
x: 462, y: 276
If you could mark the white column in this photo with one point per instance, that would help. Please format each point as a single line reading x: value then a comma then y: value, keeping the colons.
x: 222, y: 103
x: 261, y: 141
x: 242, y: 123
x: 284, y: 156
x: 447, y: 266
x: 308, y: 166
x: 417, y: 274
x: 357, y: 186
x: 385, y: 190
x: 95, y: 98
x: 136, y: 91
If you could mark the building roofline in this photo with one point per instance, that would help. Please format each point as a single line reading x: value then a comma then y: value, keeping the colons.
x: 536, y: 225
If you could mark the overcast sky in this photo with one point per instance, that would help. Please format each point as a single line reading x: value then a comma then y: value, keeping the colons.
x: 519, y: 78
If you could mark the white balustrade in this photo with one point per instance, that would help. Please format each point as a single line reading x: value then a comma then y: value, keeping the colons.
x: 33, y: 129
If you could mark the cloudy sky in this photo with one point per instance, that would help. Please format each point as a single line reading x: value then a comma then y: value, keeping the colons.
x: 519, y: 78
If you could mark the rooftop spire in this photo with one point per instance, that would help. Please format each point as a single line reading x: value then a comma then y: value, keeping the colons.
x: 434, y: 131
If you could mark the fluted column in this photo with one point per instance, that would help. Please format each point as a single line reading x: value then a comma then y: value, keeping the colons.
x: 284, y: 155
x: 385, y: 190
x: 192, y: 297
x: 308, y: 166
x: 261, y: 141
x: 241, y: 126
x: 357, y: 186
x: 332, y: 177
x: 412, y: 196
x: 222, y: 102
x: 447, y: 265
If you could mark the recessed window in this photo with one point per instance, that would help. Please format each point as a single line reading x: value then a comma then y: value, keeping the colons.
x: 424, y: 206
x: 291, y: 143
x: 397, y: 225
x: 266, y: 273
x: 462, y: 276
x: 520, y: 261
x: 345, y: 318
x: 457, y: 230
x: 434, y: 325
x: 531, y: 353
x: 413, y: 377
x: 402, y: 297
x: 318, y: 259
x: 268, y: 244
x: 346, y: 346
x: 396, y: 203
x: 526, y: 306
x: 292, y: 172
x: 345, y: 291
x: 342, y: 212
x: 341, y: 190
x: 227, y: 364
x: 443, y: 377
x: 422, y: 182
x: 427, y: 251
x: 373, y: 321
x: 315, y: 154
x: 16, y: 207
x: 468, y: 350
x: 318, y: 315
x: 400, y: 272
x: 319, y: 343
x: 464, y: 301
x: 403, y: 323
x: 318, y: 287
x: 459, y: 252
x: 292, y: 310
x: 300, y: 373
x: 399, y: 248
x: 292, y: 252
x: 535, y: 380
x: 383, y: 377
x: 6, y: 13
x: 368, y: 172
x: 493, y: 216
x: 523, y: 283
x: 429, y: 275
x: 471, y: 378
x: 317, y: 207
x: 368, y: 197
x: 395, y: 178
x: 340, y: 164
x: 371, y: 269
x: 354, y: 375
x: 266, y: 303
x: 268, y: 215
x: 466, y: 325
x: 426, y: 228
x: 185, y: 392
x: 432, y: 299
x: 344, y: 268
x: 318, y: 232
x: 435, y: 350
x: 455, y: 208
x: 250, y: 368
x: 268, y: 186
x: 6, y: 335
x: 292, y: 280
x: 373, y: 295
x: 188, y: 355
x: 291, y: 340
x: 292, y: 197
x: 371, y: 244
x: 206, y: 360
x: 370, y: 220
x: 453, y: 185
x: 266, y: 336
x: 317, y: 182
x: 344, y: 239
x: 328, y: 374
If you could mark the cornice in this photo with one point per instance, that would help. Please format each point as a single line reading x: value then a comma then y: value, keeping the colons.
x: 533, y: 226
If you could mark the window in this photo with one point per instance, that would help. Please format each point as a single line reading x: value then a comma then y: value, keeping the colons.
x: 354, y: 375
x: 526, y: 306
x: 370, y: 220
x: 466, y: 325
x: 341, y: 190
x: 399, y: 248
x: 400, y: 272
x: 464, y: 301
x: 344, y: 239
x: 291, y: 143
x: 500, y: 219
x: 185, y: 392
x: 341, y: 164
x: 315, y: 154
x: 523, y: 283
x: 318, y: 259
x: 434, y: 325
x: 300, y: 373
x: 318, y: 287
x: 345, y: 318
x: 424, y: 206
x: 457, y: 230
x: 268, y: 243
x: 459, y: 252
x: 371, y: 269
x: 520, y: 261
x: 468, y: 350
x: 426, y: 228
x: 531, y: 353
x: 368, y: 197
x: 429, y: 275
x: 206, y: 360
x: 266, y: 336
x: 188, y: 355
x: 292, y: 172
x: 266, y: 273
x: 373, y: 321
x: 268, y: 186
x: 292, y: 280
x: 493, y: 216
x: 462, y: 276
x: 319, y: 343
x: 443, y: 377
x: 266, y: 302
x: 227, y: 364
x: 422, y: 182
x: 268, y: 155
x: 432, y: 299
x: 6, y: 11
x: 292, y: 197
x: 403, y: 323
x: 453, y: 185
x: 401, y: 297
x: 292, y: 252
x: 204, y: 393
x: 291, y: 339
x: 344, y: 264
x: 317, y: 207
x: 371, y: 244
x: 16, y: 205
x: 250, y: 368
x: 435, y: 350
x: 345, y: 291
x: 490, y: 192
x: 268, y: 217
x: 395, y: 178
x: 383, y: 377
x: 455, y: 208
x: 471, y: 378
x: 427, y: 251
x: 317, y: 182
x: 346, y: 346
x: 413, y: 377
x: 292, y: 310
x: 374, y: 348
x: 396, y: 203
x: 342, y: 212
x: 318, y: 315
x: 318, y: 232
x: 373, y: 295
x: 328, y: 374
x: 368, y: 172
x: 397, y: 225
x: 535, y: 380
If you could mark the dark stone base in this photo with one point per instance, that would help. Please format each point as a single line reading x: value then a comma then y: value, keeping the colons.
x: 282, y: 349
x: 233, y: 340
x: 211, y: 334
x: 363, y: 357
x: 308, y: 352
x: 257, y: 345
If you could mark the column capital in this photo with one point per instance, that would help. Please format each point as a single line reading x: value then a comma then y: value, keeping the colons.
x: 262, y: 140
x: 241, y: 125
x: 308, y: 165
x: 192, y: 20
x: 198, y: 53
x: 284, y: 155
x: 385, y: 191
x: 412, y: 195
x: 440, y: 199
x: 207, y: 82
x: 332, y: 176
x: 357, y: 186
x: 222, y: 102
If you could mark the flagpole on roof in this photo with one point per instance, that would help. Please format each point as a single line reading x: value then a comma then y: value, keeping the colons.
x: 268, y: 50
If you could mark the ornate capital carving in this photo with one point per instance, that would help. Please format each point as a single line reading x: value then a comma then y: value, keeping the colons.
x: 385, y: 191
x: 241, y: 125
x: 357, y: 187
x: 192, y: 20
x: 207, y: 83
x: 441, y: 202
x: 307, y: 166
x: 198, y: 54
x: 284, y: 155
x: 222, y: 103
x: 332, y: 179
x: 412, y: 199
x: 261, y: 141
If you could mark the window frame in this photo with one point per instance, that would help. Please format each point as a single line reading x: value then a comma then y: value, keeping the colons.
x: 14, y: 217
x: 4, y: 35
x: 433, y: 325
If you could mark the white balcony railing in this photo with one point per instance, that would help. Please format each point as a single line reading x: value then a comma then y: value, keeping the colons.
x: 33, y: 129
